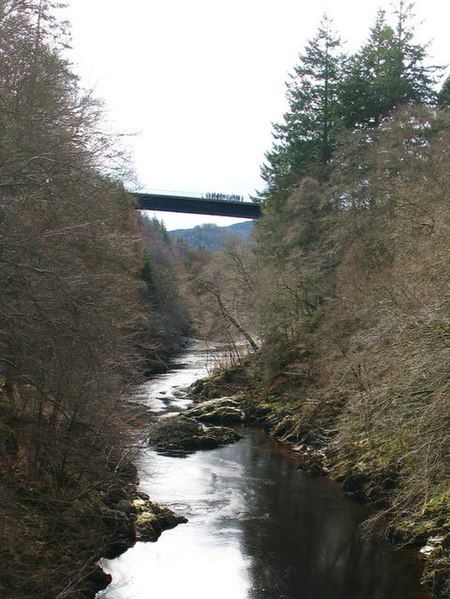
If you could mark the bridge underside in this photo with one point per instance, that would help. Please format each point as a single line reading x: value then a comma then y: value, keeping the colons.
x: 168, y: 203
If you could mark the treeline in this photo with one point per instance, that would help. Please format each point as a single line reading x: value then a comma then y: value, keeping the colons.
x: 344, y: 299
x: 87, y: 301
x: 168, y: 316
x: 330, y: 92
x: 210, y: 236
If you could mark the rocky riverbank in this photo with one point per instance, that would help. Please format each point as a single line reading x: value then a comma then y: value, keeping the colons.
x: 129, y: 516
x: 132, y: 517
x: 71, y: 524
x: 308, y: 431
x: 130, y: 512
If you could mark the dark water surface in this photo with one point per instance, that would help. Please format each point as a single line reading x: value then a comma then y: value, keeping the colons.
x: 257, y: 527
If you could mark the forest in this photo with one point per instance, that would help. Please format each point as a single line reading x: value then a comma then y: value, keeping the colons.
x: 87, y: 305
x: 342, y: 299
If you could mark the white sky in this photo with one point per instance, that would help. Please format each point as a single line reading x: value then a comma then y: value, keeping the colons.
x: 199, y: 82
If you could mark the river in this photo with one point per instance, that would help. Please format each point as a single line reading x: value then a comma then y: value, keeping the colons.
x: 257, y: 527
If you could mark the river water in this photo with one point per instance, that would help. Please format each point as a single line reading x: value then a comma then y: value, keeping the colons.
x: 257, y: 527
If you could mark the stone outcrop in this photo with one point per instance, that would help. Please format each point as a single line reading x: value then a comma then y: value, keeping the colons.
x: 225, y: 410
x: 186, y: 434
x: 151, y: 519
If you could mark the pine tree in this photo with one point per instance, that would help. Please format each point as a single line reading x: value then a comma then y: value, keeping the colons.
x: 366, y: 93
x: 415, y: 80
x: 305, y: 140
x: 443, y: 98
x: 388, y: 71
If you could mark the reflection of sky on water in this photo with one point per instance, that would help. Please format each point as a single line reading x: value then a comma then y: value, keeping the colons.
x: 201, y: 559
x: 197, y: 560
x: 186, y: 568
x: 167, y: 390
x: 257, y: 529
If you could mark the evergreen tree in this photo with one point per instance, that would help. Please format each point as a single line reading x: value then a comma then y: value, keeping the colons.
x: 305, y: 140
x: 366, y: 93
x: 415, y: 81
x: 388, y: 71
x: 444, y: 94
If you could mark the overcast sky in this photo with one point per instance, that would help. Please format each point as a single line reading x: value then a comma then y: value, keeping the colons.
x: 199, y: 82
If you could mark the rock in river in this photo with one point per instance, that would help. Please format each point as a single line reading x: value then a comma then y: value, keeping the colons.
x: 152, y: 519
x: 225, y: 410
x: 184, y: 433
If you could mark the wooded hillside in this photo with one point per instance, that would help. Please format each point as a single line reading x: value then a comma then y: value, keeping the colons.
x: 343, y: 300
x: 345, y: 296
x: 78, y: 314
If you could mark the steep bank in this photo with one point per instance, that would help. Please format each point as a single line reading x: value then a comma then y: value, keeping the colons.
x: 366, y: 474
x: 347, y: 293
x: 87, y: 301
x: 58, y: 522
x: 313, y: 435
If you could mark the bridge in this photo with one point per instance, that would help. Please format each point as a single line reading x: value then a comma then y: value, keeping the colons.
x: 169, y: 202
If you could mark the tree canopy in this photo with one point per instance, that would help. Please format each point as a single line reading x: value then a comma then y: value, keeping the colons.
x: 305, y: 140
x: 330, y: 92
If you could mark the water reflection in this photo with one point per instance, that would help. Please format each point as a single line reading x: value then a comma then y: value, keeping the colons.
x: 308, y: 544
x: 257, y: 529
x: 166, y: 392
x: 202, y: 558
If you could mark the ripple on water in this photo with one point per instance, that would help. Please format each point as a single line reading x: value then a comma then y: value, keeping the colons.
x: 257, y: 528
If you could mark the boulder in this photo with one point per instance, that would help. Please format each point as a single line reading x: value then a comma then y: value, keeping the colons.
x: 221, y: 435
x: 96, y: 581
x: 186, y: 434
x: 147, y: 524
x: 145, y: 520
x: 152, y: 519
x: 175, y: 432
x: 120, y: 532
x: 354, y: 485
x: 166, y: 517
x: 224, y: 410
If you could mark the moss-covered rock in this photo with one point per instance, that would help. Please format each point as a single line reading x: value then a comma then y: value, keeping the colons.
x: 151, y: 519
x: 148, y: 527
x: 434, y: 518
x: 186, y: 434
x: 437, y: 570
x: 224, y: 382
x: 224, y: 410
x: 220, y: 435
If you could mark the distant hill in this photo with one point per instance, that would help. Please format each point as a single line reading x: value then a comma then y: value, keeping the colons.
x: 211, y: 236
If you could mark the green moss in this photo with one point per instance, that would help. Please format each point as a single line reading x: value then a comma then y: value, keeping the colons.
x: 146, y: 519
x: 148, y: 526
x: 437, y: 511
x: 440, y: 503
x: 436, y: 575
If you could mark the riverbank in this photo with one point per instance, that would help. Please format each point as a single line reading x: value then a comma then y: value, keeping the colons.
x: 66, y: 505
x: 310, y: 431
x: 257, y: 527
x: 58, y: 530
